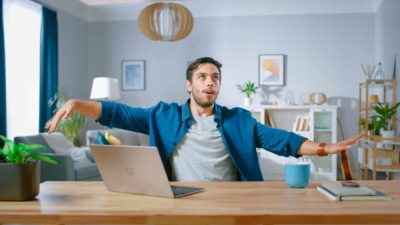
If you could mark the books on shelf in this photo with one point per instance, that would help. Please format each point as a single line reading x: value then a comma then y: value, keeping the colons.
x: 268, y: 120
x: 302, y: 123
x: 336, y: 191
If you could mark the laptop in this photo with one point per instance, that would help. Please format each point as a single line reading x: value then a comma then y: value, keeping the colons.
x: 136, y: 170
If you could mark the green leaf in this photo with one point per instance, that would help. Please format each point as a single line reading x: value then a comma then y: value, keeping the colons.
x: 44, y: 158
x: 8, y: 148
x: 3, y: 138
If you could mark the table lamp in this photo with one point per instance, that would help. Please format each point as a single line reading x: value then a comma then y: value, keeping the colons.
x: 105, y: 88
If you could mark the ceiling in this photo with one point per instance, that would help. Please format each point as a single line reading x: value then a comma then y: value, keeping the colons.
x: 111, y: 10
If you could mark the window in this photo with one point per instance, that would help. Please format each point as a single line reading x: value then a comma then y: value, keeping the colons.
x: 22, y: 24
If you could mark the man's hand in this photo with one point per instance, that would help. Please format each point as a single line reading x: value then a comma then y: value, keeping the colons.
x: 91, y: 109
x: 62, y: 113
x: 342, y: 145
x: 311, y: 148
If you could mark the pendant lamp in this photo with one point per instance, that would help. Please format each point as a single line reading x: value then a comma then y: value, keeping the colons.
x: 165, y: 21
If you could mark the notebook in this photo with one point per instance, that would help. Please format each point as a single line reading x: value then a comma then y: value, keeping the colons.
x: 337, y: 192
x: 136, y: 170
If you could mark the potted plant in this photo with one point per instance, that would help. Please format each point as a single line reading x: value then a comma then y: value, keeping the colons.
x: 248, y: 88
x: 71, y: 126
x: 382, y: 121
x: 19, y: 170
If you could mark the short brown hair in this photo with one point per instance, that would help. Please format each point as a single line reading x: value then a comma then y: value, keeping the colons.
x: 193, y: 66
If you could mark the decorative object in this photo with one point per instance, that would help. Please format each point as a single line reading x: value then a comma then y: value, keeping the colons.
x: 373, y: 99
x: 317, y: 98
x: 368, y: 70
x: 165, y: 21
x: 289, y: 98
x: 394, y: 68
x: 379, y: 74
x: 106, y: 88
x: 133, y: 75
x: 248, y: 88
x: 271, y: 69
x: 20, y: 177
x: 71, y: 126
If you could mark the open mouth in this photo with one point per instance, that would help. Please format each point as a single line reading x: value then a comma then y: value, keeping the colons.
x: 209, y: 92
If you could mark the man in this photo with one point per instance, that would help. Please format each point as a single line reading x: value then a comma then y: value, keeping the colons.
x: 201, y: 140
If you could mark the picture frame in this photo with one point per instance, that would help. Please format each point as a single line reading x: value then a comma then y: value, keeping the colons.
x: 271, y: 69
x: 133, y: 75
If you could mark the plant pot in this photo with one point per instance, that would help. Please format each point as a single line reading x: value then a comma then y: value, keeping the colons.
x: 387, y: 134
x: 19, y: 182
x: 247, y: 101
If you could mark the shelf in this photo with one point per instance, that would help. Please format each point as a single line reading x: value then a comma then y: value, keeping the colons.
x: 378, y: 139
x: 382, y: 168
x: 385, y: 150
x: 286, y: 117
x: 322, y: 130
x: 387, y: 83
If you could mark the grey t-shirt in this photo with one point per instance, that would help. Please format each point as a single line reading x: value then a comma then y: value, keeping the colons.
x: 201, y: 155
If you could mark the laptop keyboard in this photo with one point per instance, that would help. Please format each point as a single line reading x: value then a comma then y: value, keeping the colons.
x: 181, y: 190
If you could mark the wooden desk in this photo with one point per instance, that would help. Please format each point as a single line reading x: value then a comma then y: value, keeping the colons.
x: 222, y: 203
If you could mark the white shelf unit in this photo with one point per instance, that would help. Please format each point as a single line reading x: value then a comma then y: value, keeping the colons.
x: 322, y: 128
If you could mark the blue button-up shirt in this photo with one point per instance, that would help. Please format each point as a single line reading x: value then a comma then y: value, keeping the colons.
x: 166, y: 124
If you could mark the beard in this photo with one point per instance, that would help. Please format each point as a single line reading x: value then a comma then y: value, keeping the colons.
x: 204, y: 103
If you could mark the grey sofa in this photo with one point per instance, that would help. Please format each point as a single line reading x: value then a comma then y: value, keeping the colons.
x: 67, y: 170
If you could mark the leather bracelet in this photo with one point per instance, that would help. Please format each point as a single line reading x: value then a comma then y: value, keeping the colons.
x: 321, y: 150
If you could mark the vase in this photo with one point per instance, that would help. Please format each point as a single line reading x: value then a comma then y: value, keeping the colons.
x: 247, y: 101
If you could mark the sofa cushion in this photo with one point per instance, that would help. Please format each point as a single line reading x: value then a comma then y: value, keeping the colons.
x: 85, y: 170
x: 58, y: 142
x: 111, y: 139
x: 100, y: 139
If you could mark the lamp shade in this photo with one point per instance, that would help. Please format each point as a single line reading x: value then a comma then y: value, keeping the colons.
x: 105, y: 88
x: 166, y: 21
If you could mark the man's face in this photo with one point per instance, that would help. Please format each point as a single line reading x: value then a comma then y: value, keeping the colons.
x: 204, y: 86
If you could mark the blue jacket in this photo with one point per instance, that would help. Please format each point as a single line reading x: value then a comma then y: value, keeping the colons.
x: 166, y: 124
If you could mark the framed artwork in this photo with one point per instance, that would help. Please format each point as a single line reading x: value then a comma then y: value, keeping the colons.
x: 133, y: 76
x: 271, y: 69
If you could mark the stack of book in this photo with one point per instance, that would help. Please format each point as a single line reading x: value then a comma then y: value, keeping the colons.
x: 338, y: 192
x: 302, y: 123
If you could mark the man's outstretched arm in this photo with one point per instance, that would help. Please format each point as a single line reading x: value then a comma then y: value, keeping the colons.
x: 91, y: 109
x: 311, y: 148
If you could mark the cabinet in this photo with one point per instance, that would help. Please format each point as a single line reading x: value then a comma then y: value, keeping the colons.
x: 374, y: 152
x: 320, y: 126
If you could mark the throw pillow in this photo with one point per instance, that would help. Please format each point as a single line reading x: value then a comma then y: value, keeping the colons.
x: 79, y: 154
x: 111, y: 139
x: 100, y: 139
x: 58, y: 142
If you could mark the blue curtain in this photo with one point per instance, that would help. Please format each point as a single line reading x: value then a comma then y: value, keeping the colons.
x: 48, y: 64
x: 3, y: 119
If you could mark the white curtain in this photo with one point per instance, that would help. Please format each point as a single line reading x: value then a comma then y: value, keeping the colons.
x: 22, y: 25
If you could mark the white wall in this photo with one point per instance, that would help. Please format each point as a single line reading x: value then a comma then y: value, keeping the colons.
x: 73, y: 56
x: 388, y: 43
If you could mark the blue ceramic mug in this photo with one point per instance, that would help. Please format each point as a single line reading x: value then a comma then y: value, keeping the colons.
x: 297, y: 175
